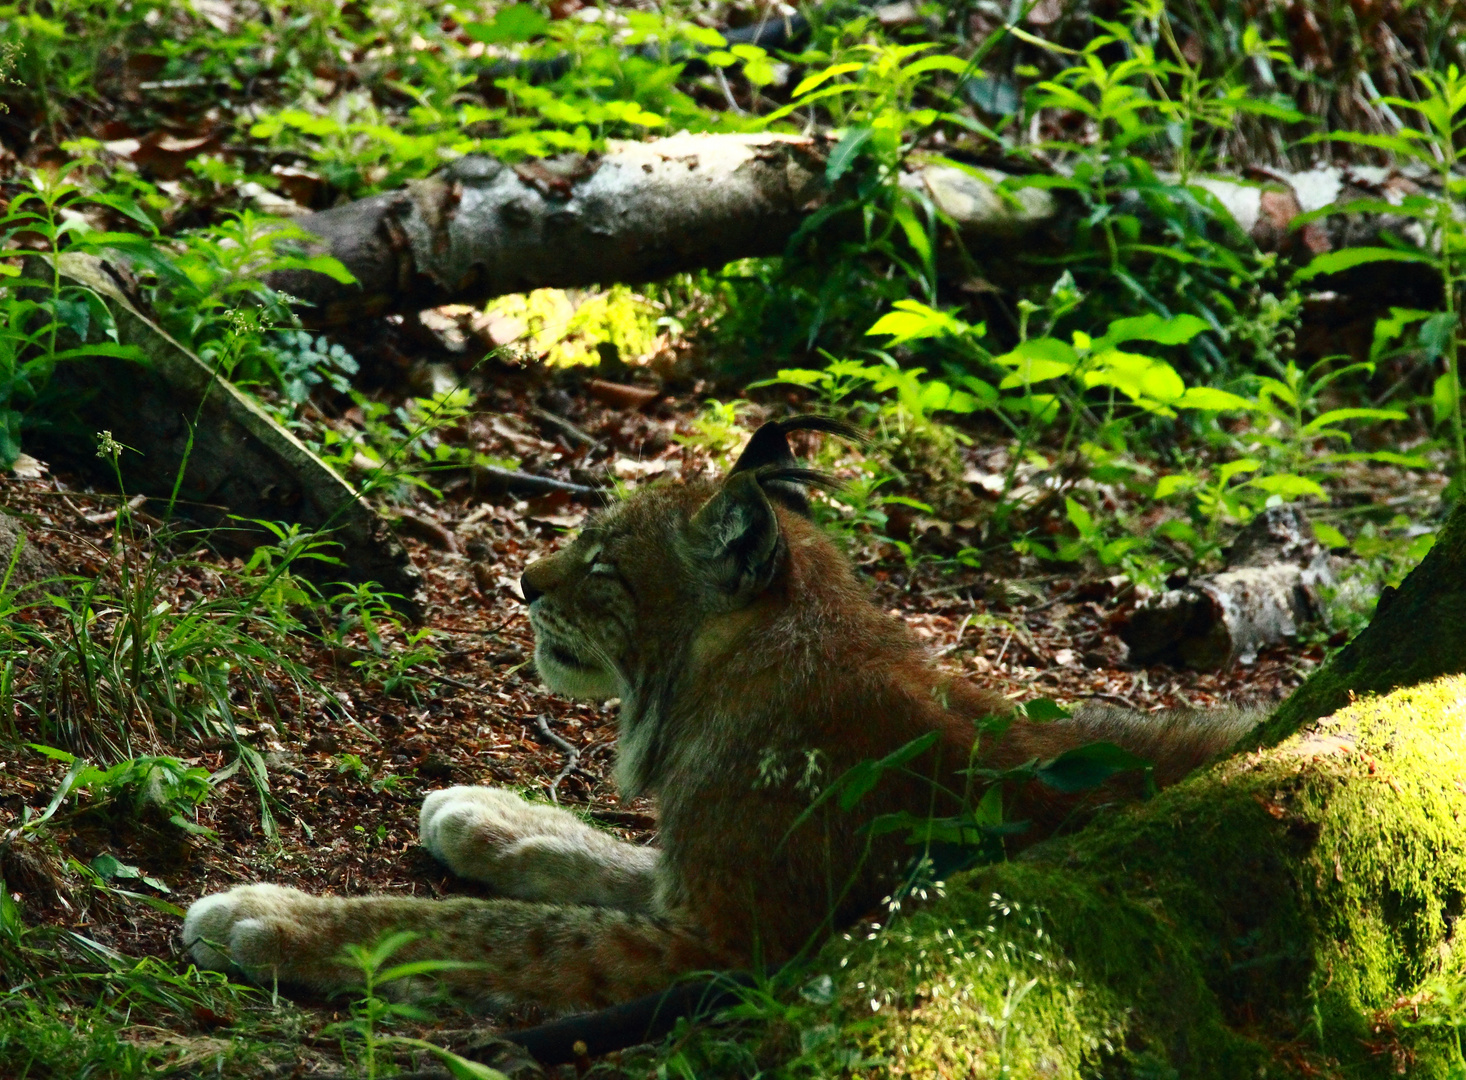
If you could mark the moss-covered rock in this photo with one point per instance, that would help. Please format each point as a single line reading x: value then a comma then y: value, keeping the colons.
x: 1265, y: 918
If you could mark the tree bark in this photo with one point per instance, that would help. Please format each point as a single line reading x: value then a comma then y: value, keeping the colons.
x: 1289, y: 912
x: 1267, y: 593
x: 644, y: 210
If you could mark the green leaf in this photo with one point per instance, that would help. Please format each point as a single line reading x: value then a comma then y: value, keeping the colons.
x: 1210, y: 399
x: 517, y: 22
x: 1333, y: 262
x: 422, y: 967
x: 1043, y: 407
x: 1390, y: 327
x: 1384, y: 457
x: 1236, y: 468
x: 1289, y: 485
x: 1336, y: 416
x: 989, y: 810
x: 1329, y: 536
x: 936, y: 63
x: 1088, y: 766
x: 912, y: 319
x: 809, y: 82
x: 1443, y: 398
x: 1176, y: 330
x: 1421, y: 545
x: 1037, y: 360
x: 157, y: 903
x: 1272, y: 109
x: 1141, y: 378
x: 460, y: 1067
x: 846, y: 151
x: 1079, y: 517
x: 1043, y: 710
x: 861, y: 779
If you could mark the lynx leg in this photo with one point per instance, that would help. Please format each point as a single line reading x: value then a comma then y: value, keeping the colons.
x: 555, y: 956
x: 532, y: 852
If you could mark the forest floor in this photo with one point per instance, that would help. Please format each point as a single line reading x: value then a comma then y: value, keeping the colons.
x: 348, y: 764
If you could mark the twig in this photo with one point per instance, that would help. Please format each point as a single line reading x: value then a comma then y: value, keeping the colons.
x: 572, y: 754
x: 1056, y: 600
x: 941, y: 589
x: 566, y: 428
x: 521, y: 483
x: 448, y: 680
x: 134, y: 504
x: 428, y: 530
x: 1004, y: 650
x: 957, y: 639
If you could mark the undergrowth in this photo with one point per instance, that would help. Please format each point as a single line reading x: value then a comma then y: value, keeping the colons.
x: 1145, y: 391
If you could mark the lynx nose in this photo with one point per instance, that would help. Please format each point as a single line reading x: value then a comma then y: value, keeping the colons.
x: 531, y: 594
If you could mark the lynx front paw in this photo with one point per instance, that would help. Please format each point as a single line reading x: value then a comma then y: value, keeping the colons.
x: 462, y: 826
x: 231, y: 928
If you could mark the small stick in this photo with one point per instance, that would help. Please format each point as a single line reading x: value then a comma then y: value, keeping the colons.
x: 572, y: 754
x: 493, y: 478
x: 106, y: 517
x: 566, y: 428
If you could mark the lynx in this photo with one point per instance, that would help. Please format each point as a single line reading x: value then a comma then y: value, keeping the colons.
x: 752, y: 670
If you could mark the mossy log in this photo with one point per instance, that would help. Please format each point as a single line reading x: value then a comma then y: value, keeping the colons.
x: 1284, y: 911
x: 1290, y: 911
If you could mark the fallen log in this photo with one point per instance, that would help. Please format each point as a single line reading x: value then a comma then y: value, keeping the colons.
x: 1266, y: 595
x: 638, y: 212
x: 238, y: 465
x: 644, y: 210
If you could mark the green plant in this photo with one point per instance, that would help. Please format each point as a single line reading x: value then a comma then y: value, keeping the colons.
x: 371, y: 1011
x: 1383, y: 553
x: 1433, y: 146
x: 398, y: 448
x: 365, y: 607
x: 163, y: 783
x: 209, y: 293
x: 117, y: 661
x: 1291, y: 424
x: 39, y: 317
x: 1155, y: 99
x: 715, y: 430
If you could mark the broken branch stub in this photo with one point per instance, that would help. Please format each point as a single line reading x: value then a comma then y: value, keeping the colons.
x: 239, y: 466
x: 1264, y: 596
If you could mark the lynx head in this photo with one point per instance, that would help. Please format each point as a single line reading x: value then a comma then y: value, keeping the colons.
x: 647, y: 578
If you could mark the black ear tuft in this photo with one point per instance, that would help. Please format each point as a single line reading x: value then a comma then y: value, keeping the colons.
x: 768, y: 453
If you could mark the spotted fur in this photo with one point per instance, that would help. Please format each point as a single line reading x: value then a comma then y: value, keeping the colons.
x: 752, y: 669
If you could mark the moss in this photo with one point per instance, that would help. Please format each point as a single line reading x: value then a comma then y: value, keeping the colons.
x: 1266, y: 917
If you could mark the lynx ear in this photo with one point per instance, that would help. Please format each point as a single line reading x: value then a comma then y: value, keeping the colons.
x: 735, y: 536
x: 768, y: 450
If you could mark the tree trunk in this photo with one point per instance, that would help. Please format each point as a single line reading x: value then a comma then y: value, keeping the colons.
x: 1290, y: 911
x: 642, y: 211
